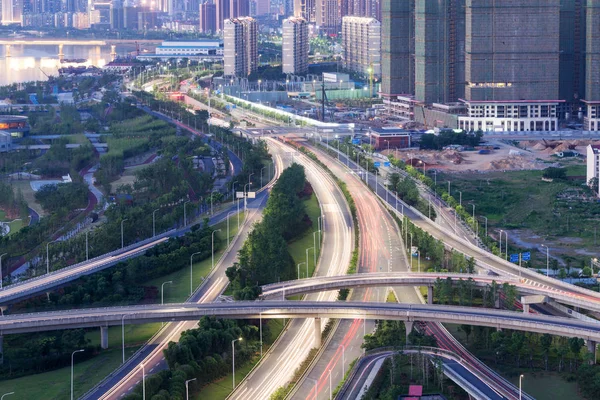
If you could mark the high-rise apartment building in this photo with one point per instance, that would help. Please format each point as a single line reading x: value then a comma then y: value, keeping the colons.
x: 226, y: 9
x: 12, y: 11
x: 592, y: 62
x: 361, y: 8
x: 305, y: 9
x: 240, y: 46
x: 512, y: 64
x: 208, y: 17
x: 116, y: 15
x: 327, y: 16
x: 361, y: 40
x: 295, y: 46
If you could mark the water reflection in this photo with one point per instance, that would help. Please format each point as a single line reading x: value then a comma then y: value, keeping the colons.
x: 32, y: 63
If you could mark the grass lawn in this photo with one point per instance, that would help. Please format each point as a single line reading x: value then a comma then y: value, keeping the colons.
x: 29, y: 195
x: 547, y: 385
x: 179, y: 290
x: 128, y: 176
x: 134, y: 335
x: 222, y: 388
x: 56, y: 384
x: 298, y: 247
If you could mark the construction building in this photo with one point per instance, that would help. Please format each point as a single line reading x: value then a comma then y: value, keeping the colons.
x: 226, y: 9
x: 361, y: 8
x: 514, y: 64
x: 295, y: 46
x: 240, y: 42
x: 361, y: 41
x: 305, y: 9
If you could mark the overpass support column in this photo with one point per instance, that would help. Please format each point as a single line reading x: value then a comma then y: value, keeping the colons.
x: 592, y: 349
x: 1, y: 349
x: 429, y: 294
x: 409, y: 328
x: 104, y: 337
x: 526, y: 308
x: 317, y: 343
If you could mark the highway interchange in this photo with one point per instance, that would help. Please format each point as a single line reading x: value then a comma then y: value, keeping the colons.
x: 380, y: 251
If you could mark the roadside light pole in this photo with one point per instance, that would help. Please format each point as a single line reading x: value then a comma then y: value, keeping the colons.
x: 520, y: 387
x: 307, y: 250
x: 299, y: 269
x: 548, y: 261
x: 72, y: 355
x: 213, y: 247
x: 233, y: 359
x: 192, y: 273
x: 154, y: 222
x: 228, y: 214
x: 185, y: 213
x: 162, y: 292
x: 122, y: 237
x: 187, y: 392
x: 48, y: 256
x: 1, y: 276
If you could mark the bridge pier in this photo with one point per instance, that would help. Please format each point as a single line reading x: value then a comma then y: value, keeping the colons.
x: 591, y: 346
x: 317, y: 343
x: 409, y: 327
x: 1, y: 349
x: 429, y: 294
x: 104, y: 337
x: 526, y: 308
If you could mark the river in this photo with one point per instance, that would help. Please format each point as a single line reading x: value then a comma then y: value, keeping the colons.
x: 33, y: 62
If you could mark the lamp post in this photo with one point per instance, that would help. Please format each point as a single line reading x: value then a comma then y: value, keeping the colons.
x: 154, y: 222
x: 87, y: 252
x: 486, y: 221
x: 1, y: 276
x: 449, y: 194
x: 162, y: 292
x: 260, y: 328
x: 246, y: 196
x: 330, y: 392
x: 315, y: 239
x: 343, y: 360
x: 520, y: 386
x: 411, y: 253
x: 307, y: 250
x: 228, y: 214
x: 548, y: 260
x: 48, y: 256
x: 316, y: 383
x: 72, y: 355
x: 187, y: 392
x: 123, y: 335
x: 143, y: 381
x: 299, y: 269
x: 233, y: 358
x: 6, y: 394
x: 213, y: 248
x: 191, y: 272
x: 250, y: 180
x: 185, y: 213
x: 460, y: 198
x: 122, y: 237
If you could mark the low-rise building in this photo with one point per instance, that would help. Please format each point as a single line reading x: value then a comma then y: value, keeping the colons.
x: 5, y: 142
x: 17, y: 126
x: 593, y: 167
x: 389, y: 138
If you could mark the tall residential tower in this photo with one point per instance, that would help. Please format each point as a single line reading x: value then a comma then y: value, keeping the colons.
x: 295, y: 46
x: 240, y: 46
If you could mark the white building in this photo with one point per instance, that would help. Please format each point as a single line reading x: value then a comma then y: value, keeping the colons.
x: 12, y: 11
x: 361, y: 40
x: 240, y: 53
x: 591, y: 122
x: 5, y: 142
x: 593, y: 166
x: 510, y: 116
x: 190, y: 48
x: 295, y: 46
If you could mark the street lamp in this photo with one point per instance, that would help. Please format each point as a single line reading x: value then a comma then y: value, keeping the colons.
x: 548, y: 260
x: 72, y: 354
x: 261, y: 176
x: 122, y: 237
x: 330, y: 391
x: 228, y: 214
x: 307, y: 250
x: 246, y: 196
x: 48, y: 256
x: 233, y: 358
x: 520, y: 387
x: 299, y: 269
x: 162, y: 292
x: 143, y: 381
x: 154, y: 222
x: 185, y: 213
x: 486, y: 222
x: 6, y: 394
x: 191, y: 272
x: 213, y: 247
x: 460, y: 198
x: 1, y: 276
x: 187, y: 393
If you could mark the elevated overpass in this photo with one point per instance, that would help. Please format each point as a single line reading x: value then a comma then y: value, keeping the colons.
x: 110, y: 316
x: 384, y: 279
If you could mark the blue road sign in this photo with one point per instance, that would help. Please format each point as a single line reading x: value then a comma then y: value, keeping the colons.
x: 377, y: 164
x: 514, y: 258
x: 356, y: 141
x: 386, y: 164
x: 526, y: 256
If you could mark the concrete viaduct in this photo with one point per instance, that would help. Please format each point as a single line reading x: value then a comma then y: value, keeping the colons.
x: 104, y: 317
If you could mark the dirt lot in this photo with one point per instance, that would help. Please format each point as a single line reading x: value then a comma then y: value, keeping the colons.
x: 29, y: 195
x: 505, y: 156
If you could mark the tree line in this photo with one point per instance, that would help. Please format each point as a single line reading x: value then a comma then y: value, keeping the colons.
x: 264, y: 257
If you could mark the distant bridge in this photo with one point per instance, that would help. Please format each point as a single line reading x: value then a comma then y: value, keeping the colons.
x: 75, y: 42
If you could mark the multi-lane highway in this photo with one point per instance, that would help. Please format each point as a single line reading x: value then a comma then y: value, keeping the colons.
x: 279, y: 364
x: 124, y: 380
